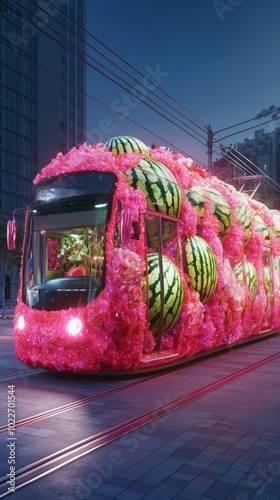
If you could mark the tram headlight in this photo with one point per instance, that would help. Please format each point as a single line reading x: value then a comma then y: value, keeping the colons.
x: 74, y: 326
x: 21, y: 322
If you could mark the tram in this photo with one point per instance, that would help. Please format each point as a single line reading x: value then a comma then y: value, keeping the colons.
x: 135, y: 258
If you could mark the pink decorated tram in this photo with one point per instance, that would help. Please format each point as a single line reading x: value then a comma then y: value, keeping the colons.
x: 135, y: 258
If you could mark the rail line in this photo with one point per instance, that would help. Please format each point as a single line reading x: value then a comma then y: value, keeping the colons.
x: 65, y: 456
x: 75, y: 404
x: 81, y: 402
x: 21, y: 374
x: 89, y: 399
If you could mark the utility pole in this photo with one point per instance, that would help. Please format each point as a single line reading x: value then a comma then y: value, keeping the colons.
x: 210, y: 148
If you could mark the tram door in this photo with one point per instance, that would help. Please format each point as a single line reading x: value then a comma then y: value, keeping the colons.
x: 162, y: 283
x: 269, y: 275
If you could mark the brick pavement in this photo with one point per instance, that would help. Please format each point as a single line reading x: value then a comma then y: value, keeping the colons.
x: 224, y: 445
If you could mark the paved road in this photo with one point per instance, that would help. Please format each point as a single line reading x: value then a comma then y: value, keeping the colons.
x: 224, y: 444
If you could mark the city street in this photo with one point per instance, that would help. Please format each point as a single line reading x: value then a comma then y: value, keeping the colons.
x: 208, y: 429
x: 140, y: 250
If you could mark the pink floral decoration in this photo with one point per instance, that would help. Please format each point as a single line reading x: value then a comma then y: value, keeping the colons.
x: 115, y: 333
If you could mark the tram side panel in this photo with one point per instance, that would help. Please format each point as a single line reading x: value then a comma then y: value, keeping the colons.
x: 198, y: 266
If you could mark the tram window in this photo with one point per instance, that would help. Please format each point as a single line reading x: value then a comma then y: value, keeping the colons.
x: 170, y: 240
x: 65, y: 255
x: 163, y: 250
x: 84, y: 248
x: 152, y: 232
x: 162, y: 234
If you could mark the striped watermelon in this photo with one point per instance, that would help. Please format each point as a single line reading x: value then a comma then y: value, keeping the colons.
x: 267, y: 280
x: 220, y: 208
x: 201, y: 267
x: 276, y: 266
x: 197, y: 198
x: 172, y: 291
x: 238, y: 273
x: 261, y: 227
x: 243, y: 218
x: 251, y: 277
x: 159, y: 185
x: 276, y: 223
x: 125, y: 144
x: 243, y: 214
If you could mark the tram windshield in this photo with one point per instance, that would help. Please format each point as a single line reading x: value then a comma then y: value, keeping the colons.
x: 64, y: 258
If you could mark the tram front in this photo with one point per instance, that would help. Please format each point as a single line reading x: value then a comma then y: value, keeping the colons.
x: 63, y: 268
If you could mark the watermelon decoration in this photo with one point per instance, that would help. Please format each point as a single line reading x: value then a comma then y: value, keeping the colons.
x: 125, y: 144
x: 261, y: 227
x: 201, y: 267
x: 159, y: 185
x: 238, y: 273
x: 197, y: 198
x: 267, y: 280
x: 243, y: 218
x: 220, y: 208
x: 251, y: 277
x: 162, y: 193
x: 276, y: 223
x: 173, y: 293
x: 243, y: 214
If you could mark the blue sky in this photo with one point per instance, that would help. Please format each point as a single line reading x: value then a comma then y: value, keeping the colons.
x: 219, y: 59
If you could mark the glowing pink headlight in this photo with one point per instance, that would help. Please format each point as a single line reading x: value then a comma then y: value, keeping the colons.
x: 74, y: 326
x: 21, y: 322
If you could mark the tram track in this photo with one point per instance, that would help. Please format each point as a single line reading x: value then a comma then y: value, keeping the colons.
x: 84, y: 401
x: 81, y: 402
x: 65, y: 456
x: 75, y: 404
x: 13, y: 376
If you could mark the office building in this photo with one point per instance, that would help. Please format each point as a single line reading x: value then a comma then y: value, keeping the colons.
x: 254, y: 166
x: 42, y: 88
x: 264, y: 151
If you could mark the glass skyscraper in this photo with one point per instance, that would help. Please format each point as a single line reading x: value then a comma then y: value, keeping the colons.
x: 42, y: 89
x: 19, y: 108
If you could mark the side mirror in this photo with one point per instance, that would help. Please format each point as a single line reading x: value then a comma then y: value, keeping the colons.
x: 11, y: 234
x: 125, y: 227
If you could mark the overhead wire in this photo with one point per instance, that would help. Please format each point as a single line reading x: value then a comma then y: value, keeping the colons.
x: 165, y: 93
x: 247, y: 166
x: 117, y: 112
x: 238, y: 161
x: 238, y: 158
x: 119, y: 78
x: 243, y: 162
x: 138, y: 72
x: 249, y: 128
x: 67, y: 48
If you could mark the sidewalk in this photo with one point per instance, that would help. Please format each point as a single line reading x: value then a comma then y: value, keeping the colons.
x: 9, y: 309
x: 224, y: 445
